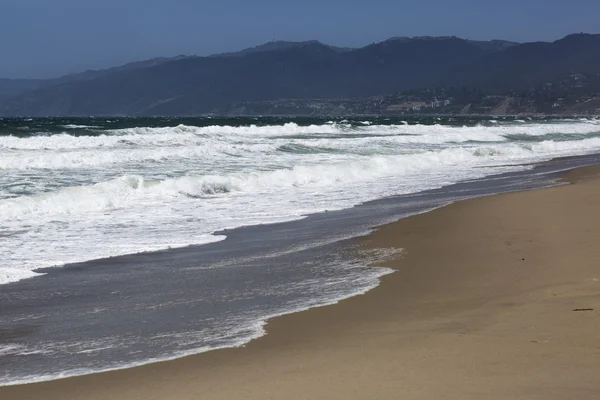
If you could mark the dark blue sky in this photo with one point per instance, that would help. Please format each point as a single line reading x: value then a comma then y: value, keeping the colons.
x: 46, y: 38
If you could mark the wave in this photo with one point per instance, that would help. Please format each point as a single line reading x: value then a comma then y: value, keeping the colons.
x: 65, y: 141
x: 183, y: 135
x: 161, y: 187
x: 297, y: 148
x: 73, y: 126
x: 128, y: 190
x: 94, y: 158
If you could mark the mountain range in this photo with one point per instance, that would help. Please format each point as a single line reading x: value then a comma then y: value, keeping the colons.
x: 191, y: 85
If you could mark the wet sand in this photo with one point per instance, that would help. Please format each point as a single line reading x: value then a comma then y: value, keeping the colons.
x: 494, y: 298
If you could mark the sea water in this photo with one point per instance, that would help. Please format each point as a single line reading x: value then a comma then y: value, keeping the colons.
x: 76, y: 192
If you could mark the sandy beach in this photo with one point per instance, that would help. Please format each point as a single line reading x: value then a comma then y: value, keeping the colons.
x: 493, y: 298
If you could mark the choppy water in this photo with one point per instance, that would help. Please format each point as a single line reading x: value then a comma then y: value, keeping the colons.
x: 85, y: 189
x: 122, y: 186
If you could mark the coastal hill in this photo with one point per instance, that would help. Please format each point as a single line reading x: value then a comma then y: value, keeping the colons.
x: 13, y: 87
x: 278, y: 45
x: 299, y: 72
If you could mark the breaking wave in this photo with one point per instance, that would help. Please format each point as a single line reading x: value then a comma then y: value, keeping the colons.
x: 186, y: 135
x: 127, y: 190
x: 142, y: 189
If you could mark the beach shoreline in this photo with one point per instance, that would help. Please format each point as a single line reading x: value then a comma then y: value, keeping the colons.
x: 480, y: 306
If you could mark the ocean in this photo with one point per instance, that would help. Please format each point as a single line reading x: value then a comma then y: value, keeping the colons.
x: 128, y: 241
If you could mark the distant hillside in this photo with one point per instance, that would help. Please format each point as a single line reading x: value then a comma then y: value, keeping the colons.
x: 489, y: 46
x: 93, y: 74
x: 309, y: 70
x: 278, y: 45
x: 13, y: 87
x: 530, y: 64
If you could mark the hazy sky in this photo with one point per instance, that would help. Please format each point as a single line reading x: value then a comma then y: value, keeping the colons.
x: 46, y: 38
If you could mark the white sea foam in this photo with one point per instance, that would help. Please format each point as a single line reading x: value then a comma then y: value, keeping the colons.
x: 186, y: 135
x: 74, y: 126
x: 131, y: 191
x: 213, y: 144
x: 143, y: 189
x: 14, y: 274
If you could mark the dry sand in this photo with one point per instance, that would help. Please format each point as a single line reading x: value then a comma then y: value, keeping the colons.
x: 481, y: 307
